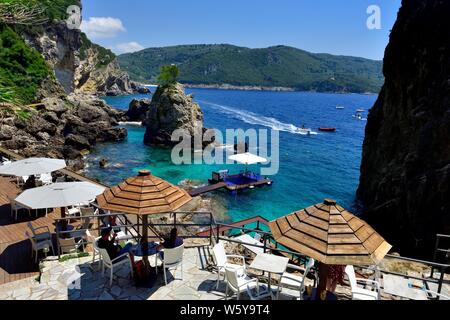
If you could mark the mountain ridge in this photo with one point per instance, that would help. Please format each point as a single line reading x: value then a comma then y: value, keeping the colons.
x: 274, y: 66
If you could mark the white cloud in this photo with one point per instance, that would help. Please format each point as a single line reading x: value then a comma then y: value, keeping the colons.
x: 128, y: 47
x: 102, y: 27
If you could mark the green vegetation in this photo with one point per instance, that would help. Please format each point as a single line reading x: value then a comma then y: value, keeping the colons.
x: 55, y: 10
x: 73, y: 256
x: 278, y: 66
x: 22, y: 69
x: 169, y: 75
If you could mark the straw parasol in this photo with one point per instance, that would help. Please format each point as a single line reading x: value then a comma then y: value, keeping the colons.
x: 330, y: 234
x: 143, y: 195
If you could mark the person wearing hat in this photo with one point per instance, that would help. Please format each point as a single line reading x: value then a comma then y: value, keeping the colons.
x: 109, y: 244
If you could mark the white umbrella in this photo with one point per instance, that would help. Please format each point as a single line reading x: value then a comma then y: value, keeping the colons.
x: 247, y: 159
x: 59, y: 195
x: 32, y: 166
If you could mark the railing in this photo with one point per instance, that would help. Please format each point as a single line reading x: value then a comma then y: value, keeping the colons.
x: 127, y: 225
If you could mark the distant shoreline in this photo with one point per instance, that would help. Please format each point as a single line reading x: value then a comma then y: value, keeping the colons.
x: 263, y: 88
x: 226, y: 86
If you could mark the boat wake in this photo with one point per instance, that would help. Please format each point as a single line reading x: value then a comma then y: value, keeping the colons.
x: 253, y: 118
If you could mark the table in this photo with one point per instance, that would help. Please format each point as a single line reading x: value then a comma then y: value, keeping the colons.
x: 401, y: 287
x: 137, y: 249
x: 271, y: 264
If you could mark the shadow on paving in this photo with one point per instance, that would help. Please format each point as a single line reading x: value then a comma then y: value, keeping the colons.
x: 16, y: 258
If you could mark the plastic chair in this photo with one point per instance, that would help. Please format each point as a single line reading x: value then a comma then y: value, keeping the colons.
x: 172, y: 259
x: 114, y: 263
x: 95, y: 250
x: 360, y: 293
x: 69, y: 245
x: 38, y: 235
x: 289, y: 280
x: 221, y: 259
x: 15, y: 207
x: 236, y: 283
x: 39, y: 245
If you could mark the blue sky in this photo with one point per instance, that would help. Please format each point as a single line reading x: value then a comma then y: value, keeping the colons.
x: 325, y: 26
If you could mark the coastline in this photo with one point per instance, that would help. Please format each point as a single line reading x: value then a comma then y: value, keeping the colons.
x: 226, y: 86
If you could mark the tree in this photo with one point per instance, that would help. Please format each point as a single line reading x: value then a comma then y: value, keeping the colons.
x: 168, y: 75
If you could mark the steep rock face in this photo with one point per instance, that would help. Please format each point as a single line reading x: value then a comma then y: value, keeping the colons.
x: 405, y: 171
x: 62, y: 128
x: 107, y: 80
x: 80, y: 66
x: 172, y: 109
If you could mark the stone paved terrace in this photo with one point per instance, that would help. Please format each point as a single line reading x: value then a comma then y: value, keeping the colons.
x: 75, y: 280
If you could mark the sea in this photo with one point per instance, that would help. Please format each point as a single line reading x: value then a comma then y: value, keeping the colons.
x: 311, y: 167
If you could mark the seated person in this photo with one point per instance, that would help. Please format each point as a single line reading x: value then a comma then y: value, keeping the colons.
x: 109, y: 244
x: 173, y: 241
x: 30, y: 183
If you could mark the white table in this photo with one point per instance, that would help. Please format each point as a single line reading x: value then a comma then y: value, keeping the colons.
x: 400, y: 286
x: 257, y: 247
x: 271, y: 264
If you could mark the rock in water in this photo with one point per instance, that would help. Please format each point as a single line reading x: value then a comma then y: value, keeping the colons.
x: 405, y: 172
x: 172, y: 109
x: 137, y: 111
x: 103, y: 163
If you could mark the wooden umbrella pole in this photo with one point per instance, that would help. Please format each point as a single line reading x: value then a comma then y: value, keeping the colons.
x: 145, y: 241
x: 63, y: 222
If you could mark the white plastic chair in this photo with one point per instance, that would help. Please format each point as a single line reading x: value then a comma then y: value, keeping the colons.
x: 15, y: 207
x: 360, y: 293
x: 39, y: 245
x: 114, y: 263
x: 172, y: 259
x: 236, y: 283
x: 289, y: 280
x: 95, y: 249
x: 221, y: 259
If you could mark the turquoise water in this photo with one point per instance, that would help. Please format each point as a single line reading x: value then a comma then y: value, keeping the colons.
x: 312, y: 168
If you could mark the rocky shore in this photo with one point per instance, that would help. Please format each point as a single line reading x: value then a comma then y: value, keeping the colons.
x: 62, y: 128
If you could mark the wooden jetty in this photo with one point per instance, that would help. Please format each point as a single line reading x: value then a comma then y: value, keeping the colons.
x: 223, y: 185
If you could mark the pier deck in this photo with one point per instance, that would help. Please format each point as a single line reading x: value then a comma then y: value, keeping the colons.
x: 232, y: 183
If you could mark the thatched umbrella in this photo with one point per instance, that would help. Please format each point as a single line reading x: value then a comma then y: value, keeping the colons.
x: 331, y: 235
x: 143, y: 195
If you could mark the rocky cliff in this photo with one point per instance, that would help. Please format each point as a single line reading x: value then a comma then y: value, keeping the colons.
x: 172, y: 109
x: 405, y: 171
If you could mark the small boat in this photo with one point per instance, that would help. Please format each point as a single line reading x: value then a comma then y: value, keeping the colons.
x: 327, y: 129
x: 360, y: 110
x: 340, y: 107
x: 304, y: 131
